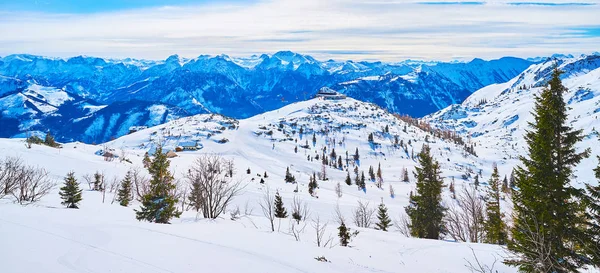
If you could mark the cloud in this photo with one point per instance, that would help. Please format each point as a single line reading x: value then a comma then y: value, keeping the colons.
x: 389, y: 30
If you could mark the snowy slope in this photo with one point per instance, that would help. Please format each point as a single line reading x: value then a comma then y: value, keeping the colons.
x: 497, y: 116
x: 106, y: 237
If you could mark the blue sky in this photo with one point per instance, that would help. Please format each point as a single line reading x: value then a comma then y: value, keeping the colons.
x: 388, y: 30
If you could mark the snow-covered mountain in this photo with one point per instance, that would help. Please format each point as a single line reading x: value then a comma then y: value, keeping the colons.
x: 496, y: 117
x: 236, y: 87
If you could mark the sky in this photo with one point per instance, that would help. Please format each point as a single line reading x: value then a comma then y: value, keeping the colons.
x: 386, y: 30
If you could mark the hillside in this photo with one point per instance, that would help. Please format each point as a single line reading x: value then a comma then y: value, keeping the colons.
x: 496, y: 117
x: 106, y: 237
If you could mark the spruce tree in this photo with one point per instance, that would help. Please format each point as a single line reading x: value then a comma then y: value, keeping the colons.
x: 312, y: 184
x: 371, y: 173
x: 124, y: 195
x: 70, y: 192
x: 545, y: 204
x: 511, y: 182
x: 280, y: 211
x: 505, y: 185
x: 345, y: 234
x: 98, y: 182
x: 476, y: 182
x: 405, y: 176
x: 158, y: 205
x: 356, y: 155
x: 289, y: 178
x: 348, y: 180
x: 494, y: 225
x: 383, y: 218
x: 425, y: 209
x: 593, y: 204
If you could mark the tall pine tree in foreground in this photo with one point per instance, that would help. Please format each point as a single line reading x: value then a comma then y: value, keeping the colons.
x: 280, y: 211
x: 593, y: 202
x: 425, y: 210
x: 495, y: 228
x: 158, y: 205
x: 124, y: 195
x: 70, y: 193
x: 548, y: 217
x: 383, y: 218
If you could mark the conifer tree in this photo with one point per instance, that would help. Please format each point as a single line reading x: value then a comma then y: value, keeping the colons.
x: 383, y: 218
x: 593, y: 203
x: 340, y: 164
x: 348, y: 180
x: 345, y: 234
x: 371, y: 173
x: 98, y: 182
x: 379, y: 177
x: 70, y: 192
x: 360, y: 181
x: 314, y: 139
x: 425, y: 209
x: 495, y: 228
x: 289, y: 178
x: 476, y: 182
x: 265, y: 175
x: 158, y: 205
x: 312, y: 184
x: 545, y: 204
x: 124, y: 195
x: 511, y: 182
x: 280, y: 211
x: 356, y: 155
x: 505, y: 185
x: 451, y: 188
x: 405, y: 176
x: 146, y: 161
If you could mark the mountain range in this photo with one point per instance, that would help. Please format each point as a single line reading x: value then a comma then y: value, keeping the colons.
x: 94, y: 100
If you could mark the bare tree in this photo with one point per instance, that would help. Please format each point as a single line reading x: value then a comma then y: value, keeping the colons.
x: 362, y: 216
x: 338, y: 190
x: 211, y: 186
x: 266, y: 203
x: 33, y: 184
x: 403, y: 224
x: 338, y: 216
x: 10, y: 169
x: 477, y: 267
x: 229, y: 167
x: 320, y: 229
x: 89, y: 180
x: 140, y: 182
x: 300, y: 211
x: 465, y: 218
x: 296, y: 229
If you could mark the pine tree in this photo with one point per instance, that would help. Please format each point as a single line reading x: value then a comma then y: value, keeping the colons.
x: 340, y: 164
x: 356, y: 155
x: 370, y: 138
x: 280, y: 211
x: 124, y: 195
x: 511, y: 182
x: 405, y: 176
x: 266, y: 176
x: 289, y: 178
x: 49, y: 140
x: 476, y: 182
x: 383, y: 218
x: 360, y: 181
x: 345, y: 234
x: 158, y: 205
x: 545, y: 205
x: 195, y: 198
x: 371, y: 173
x: 146, y: 161
x: 425, y: 209
x: 312, y: 184
x: 379, y: 177
x: 70, y: 192
x: 495, y: 228
x: 314, y: 139
x: 505, y: 188
x: 98, y: 182
x: 348, y: 180
x: 593, y: 203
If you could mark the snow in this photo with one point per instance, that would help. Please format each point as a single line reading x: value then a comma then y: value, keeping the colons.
x: 105, y: 237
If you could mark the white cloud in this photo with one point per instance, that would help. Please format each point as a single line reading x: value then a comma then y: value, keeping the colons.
x: 339, y: 29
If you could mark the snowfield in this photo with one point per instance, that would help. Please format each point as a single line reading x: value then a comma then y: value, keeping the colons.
x: 105, y: 237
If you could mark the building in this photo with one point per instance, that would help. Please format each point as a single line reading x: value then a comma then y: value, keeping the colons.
x: 327, y: 93
x: 188, y: 145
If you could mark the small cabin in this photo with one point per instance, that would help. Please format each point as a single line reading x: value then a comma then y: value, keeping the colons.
x: 188, y: 146
x: 327, y: 93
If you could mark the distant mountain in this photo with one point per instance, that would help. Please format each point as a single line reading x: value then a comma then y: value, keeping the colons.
x: 236, y: 87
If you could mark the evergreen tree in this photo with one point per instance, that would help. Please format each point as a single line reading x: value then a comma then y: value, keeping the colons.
x: 383, y: 218
x: 289, y: 178
x: 360, y: 181
x: 494, y: 225
x: 158, y: 205
x: 146, y: 161
x: 545, y: 204
x: 505, y: 188
x: 348, y: 180
x: 371, y: 173
x: 195, y: 197
x: 314, y: 139
x: 379, y: 177
x: 405, y: 176
x: 476, y: 182
x: 451, y: 188
x: 593, y: 203
x: 312, y: 184
x: 266, y: 176
x: 98, y: 182
x: 425, y: 209
x: 370, y: 138
x: 49, y: 140
x: 340, y: 164
x: 345, y: 234
x: 280, y: 211
x: 124, y: 195
x: 511, y: 182
x: 70, y: 192
x: 356, y: 155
